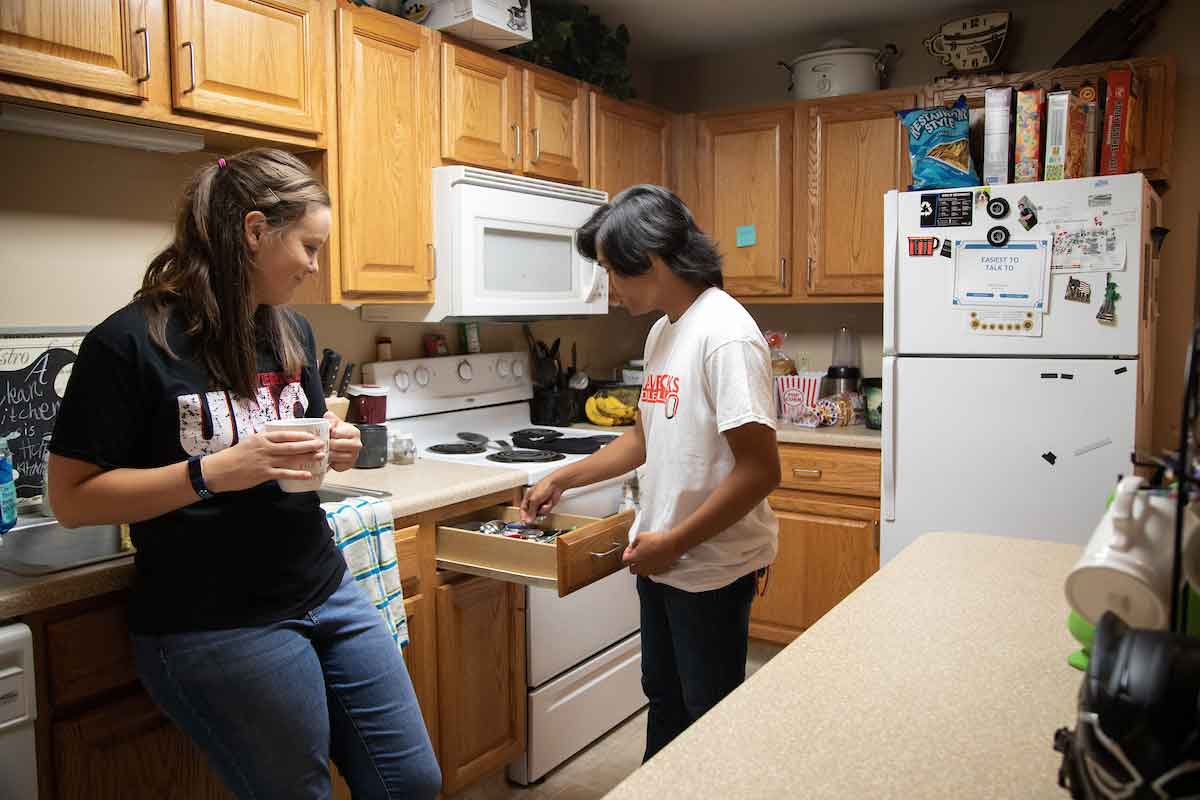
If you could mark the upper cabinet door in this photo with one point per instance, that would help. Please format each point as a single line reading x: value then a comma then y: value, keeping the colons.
x: 257, y: 61
x: 481, y: 110
x: 387, y: 123
x: 555, y: 115
x: 628, y: 144
x: 856, y: 153
x: 745, y: 168
x: 96, y: 45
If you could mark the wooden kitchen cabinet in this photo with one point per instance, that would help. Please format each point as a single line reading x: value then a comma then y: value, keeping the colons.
x: 387, y: 112
x: 856, y: 153
x: 481, y: 109
x: 744, y: 162
x: 629, y: 144
x: 126, y: 749
x: 481, y: 678
x: 555, y: 114
x: 498, y: 113
x: 828, y: 511
x: 95, y: 45
x: 256, y: 61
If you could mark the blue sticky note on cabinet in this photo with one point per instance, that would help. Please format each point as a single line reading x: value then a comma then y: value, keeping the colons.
x: 746, y: 236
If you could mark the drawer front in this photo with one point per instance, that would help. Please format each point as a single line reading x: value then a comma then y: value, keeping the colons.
x: 574, y: 560
x: 407, y: 560
x: 837, y: 470
x: 89, y: 654
x: 585, y: 557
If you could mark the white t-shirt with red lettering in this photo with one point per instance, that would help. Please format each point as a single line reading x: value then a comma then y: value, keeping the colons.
x: 706, y: 373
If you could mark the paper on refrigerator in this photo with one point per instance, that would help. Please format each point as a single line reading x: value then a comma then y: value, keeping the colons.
x: 1095, y: 245
x: 1015, y: 275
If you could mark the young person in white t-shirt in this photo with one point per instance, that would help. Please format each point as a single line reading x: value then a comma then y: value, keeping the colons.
x: 705, y: 432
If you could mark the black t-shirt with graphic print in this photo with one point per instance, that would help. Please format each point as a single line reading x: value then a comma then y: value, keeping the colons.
x: 244, y: 558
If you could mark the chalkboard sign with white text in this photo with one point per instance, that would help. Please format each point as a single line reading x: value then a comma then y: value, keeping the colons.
x: 33, y: 377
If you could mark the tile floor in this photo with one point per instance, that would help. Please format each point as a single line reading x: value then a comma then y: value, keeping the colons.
x: 595, y: 771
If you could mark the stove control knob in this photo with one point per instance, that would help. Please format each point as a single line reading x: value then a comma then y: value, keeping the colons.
x: 402, y: 381
x: 502, y: 368
x: 422, y: 376
x: 518, y: 369
x: 464, y: 371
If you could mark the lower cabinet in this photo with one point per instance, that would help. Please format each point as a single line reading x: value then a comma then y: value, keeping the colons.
x: 828, y: 544
x: 481, y: 678
x: 127, y: 749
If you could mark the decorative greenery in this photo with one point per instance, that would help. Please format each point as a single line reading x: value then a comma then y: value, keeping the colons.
x: 568, y: 38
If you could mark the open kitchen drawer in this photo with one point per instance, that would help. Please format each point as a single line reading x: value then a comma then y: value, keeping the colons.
x: 574, y: 560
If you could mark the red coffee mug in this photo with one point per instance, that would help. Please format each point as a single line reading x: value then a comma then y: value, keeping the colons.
x: 923, y: 245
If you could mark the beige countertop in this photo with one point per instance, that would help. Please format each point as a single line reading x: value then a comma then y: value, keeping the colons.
x: 850, y: 436
x: 420, y: 487
x: 944, y: 675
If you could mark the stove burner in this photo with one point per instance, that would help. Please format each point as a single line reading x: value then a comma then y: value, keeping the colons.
x: 456, y: 449
x: 524, y: 456
x: 546, y: 439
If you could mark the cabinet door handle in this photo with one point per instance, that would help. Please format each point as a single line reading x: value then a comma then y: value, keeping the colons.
x: 191, y: 65
x: 808, y: 273
x: 783, y: 281
x: 806, y: 472
x: 876, y: 536
x: 517, y: 131
x: 537, y: 145
x: 146, y: 49
x: 615, y: 547
x: 432, y: 260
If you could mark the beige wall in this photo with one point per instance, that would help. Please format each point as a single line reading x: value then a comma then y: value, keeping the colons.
x: 1042, y: 33
x: 78, y: 225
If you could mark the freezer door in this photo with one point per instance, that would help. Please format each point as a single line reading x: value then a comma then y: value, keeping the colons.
x: 921, y: 320
x: 1015, y: 447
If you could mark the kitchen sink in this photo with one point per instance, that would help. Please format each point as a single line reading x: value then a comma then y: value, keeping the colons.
x: 332, y: 493
x: 40, y: 545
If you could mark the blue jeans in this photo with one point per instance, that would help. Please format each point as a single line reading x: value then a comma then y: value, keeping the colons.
x: 693, y: 652
x: 270, y: 705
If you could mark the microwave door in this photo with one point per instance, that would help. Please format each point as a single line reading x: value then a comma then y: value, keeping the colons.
x: 517, y: 267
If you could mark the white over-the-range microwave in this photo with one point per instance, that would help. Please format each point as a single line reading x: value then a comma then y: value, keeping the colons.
x: 505, y: 249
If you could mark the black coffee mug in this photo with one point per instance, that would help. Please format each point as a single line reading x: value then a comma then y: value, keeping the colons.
x: 374, y: 446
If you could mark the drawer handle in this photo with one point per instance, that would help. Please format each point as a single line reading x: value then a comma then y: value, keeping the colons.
x: 801, y: 472
x: 615, y: 547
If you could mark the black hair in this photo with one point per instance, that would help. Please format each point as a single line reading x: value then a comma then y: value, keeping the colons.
x: 648, y: 220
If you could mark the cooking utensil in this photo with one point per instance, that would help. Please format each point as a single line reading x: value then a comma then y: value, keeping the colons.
x: 324, y: 373
x: 345, y: 384
x: 333, y: 361
x: 483, y: 441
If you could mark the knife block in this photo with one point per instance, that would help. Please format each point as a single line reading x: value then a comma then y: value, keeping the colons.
x: 552, y: 406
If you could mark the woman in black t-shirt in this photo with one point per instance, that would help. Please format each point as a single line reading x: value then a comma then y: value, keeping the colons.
x: 247, y: 627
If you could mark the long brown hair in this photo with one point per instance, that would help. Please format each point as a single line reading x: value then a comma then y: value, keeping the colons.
x: 205, y: 273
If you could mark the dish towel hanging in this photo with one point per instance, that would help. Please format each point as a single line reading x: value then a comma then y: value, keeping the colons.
x: 362, y: 530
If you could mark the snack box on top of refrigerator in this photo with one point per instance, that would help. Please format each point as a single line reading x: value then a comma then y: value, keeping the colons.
x: 1092, y: 98
x: 1031, y: 122
x: 495, y: 24
x: 1065, y: 128
x: 1121, y: 116
x: 997, y: 133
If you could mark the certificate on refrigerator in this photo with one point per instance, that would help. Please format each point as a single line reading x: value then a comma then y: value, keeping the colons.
x: 1015, y: 275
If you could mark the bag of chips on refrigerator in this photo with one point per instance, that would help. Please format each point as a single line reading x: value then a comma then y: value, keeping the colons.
x: 939, y: 146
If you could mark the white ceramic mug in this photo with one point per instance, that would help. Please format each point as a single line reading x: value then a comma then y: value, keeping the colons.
x: 318, y: 428
x: 1126, y: 567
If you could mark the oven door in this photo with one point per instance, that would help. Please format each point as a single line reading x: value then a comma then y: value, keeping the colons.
x: 514, y: 256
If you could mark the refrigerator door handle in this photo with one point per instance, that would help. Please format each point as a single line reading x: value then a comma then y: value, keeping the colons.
x: 891, y: 223
x: 888, y: 441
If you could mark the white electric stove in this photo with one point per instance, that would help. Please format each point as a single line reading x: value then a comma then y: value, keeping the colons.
x: 583, y: 650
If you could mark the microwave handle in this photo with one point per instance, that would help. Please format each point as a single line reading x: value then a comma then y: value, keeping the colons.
x: 597, y: 284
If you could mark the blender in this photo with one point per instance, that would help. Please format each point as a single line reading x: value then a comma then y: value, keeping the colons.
x: 844, y: 372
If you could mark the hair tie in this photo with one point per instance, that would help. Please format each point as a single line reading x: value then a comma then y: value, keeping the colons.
x: 221, y: 163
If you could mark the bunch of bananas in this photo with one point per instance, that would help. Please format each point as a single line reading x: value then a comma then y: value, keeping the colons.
x: 604, y: 409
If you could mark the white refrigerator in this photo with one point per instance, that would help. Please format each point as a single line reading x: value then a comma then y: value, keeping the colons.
x: 1013, y: 398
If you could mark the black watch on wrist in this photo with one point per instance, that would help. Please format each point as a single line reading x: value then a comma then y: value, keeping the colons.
x: 197, y: 478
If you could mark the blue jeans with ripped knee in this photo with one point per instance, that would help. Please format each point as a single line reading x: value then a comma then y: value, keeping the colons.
x: 271, y: 705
